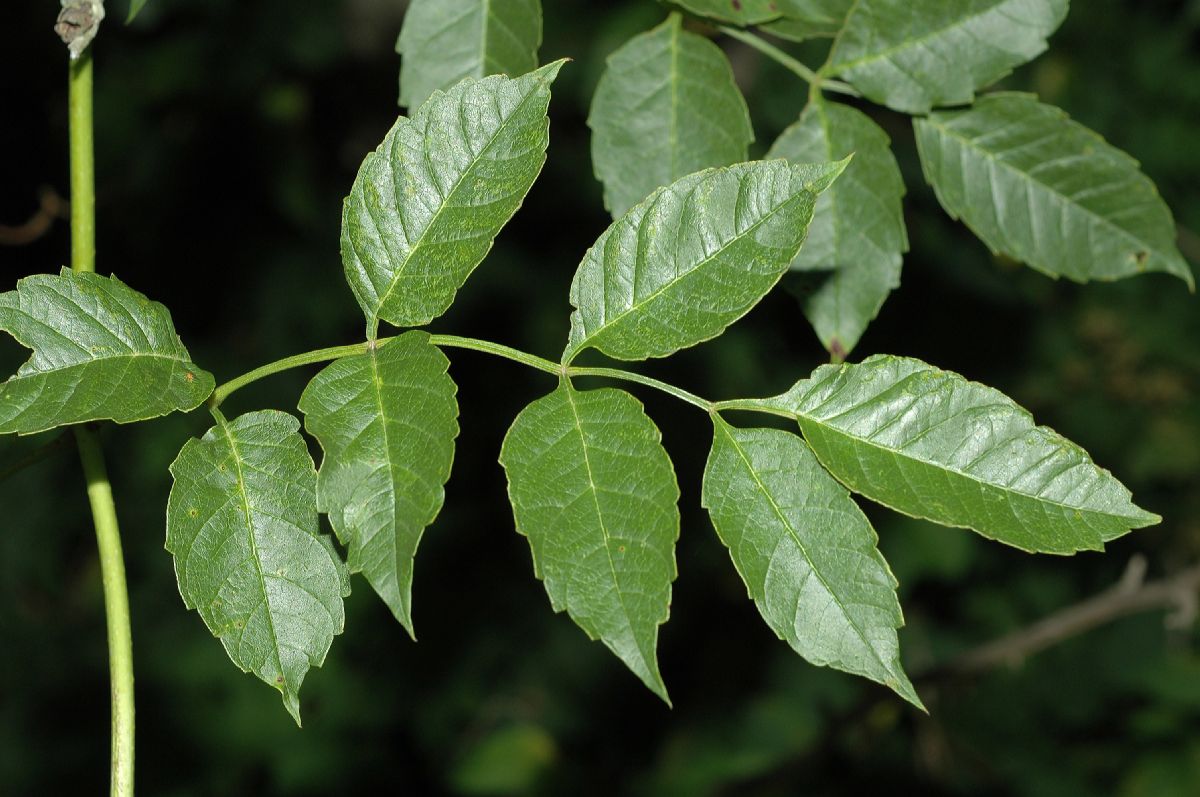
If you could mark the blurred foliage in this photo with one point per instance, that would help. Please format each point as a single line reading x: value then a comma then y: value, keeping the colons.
x: 228, y: 134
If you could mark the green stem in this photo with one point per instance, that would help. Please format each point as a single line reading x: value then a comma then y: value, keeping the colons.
x: 83, y: 165
x: 457, y: 342
x: 104, y: 511
x: 295, y: 361
x: 629, y: 376
x: 788, y: 62
x: 752, y: 405
x: 116, y: 609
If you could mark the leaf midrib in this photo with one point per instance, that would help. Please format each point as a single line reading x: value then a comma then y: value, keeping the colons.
x: 803, y: 550
x: 592, y: 488
x: 994, y: 158
x: 610, y: 321
x: 900, y: 454
x: 262, y: 582
x: 399, y: 273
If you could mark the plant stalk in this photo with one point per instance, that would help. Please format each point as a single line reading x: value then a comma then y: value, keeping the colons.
x: 457, y: 342
x: 788, y: 62
x: 104, y: 511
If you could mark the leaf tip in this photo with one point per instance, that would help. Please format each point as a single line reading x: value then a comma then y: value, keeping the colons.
x: 900, y: 684
x: 291, y: 702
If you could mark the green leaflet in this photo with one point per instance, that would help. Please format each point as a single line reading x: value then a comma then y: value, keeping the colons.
x: 242, y: 526
x: 858, y: 227
x: 1048, y: 191
x: 931, y: 444
x: 444, y: 41
x: 912, y: 55
x: 666, y: 106
x: 101, y: 351
x: 806, y: 552
x: 692, y: 258
x: 387, y: 421
x: 808, y: 19
x: 595, y: 493
x: 427, y: 204
x: 739, y: 12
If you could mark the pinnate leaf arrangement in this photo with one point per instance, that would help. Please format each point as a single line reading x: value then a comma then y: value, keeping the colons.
x: 699, y: 236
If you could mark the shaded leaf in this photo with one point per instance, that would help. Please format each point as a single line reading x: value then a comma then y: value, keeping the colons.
x: 808, y: 19
x: 101, y: 351
x: 1048, y: 191
x: 242, y: 526
x: 807, y: 553
x: 912, y: 55
x: 386, y: 420
x: 932, y: 445
x: 666, y: 106
x: 427, y: 204
x: 739, y: 12
x: 692, y: 258
x: 595, y: 493
x: 858, y: 227
x: 444, y: 41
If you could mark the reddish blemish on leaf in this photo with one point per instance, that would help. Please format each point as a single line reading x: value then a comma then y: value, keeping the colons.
x: 737, y: 5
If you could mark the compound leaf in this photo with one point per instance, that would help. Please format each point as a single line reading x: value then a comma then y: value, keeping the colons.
x: 912, y: 55
x: 739, y: 12
x: 386, y: 420
x: 666, y: 106
x: 595, y: 493
x: 101, y: 351
x: 444, y: 41
x: 857, y: 229
x: 1043, y: 189
x: 692, y: 258
x: 806, y: 552
x: 427, y: 204
x: 249, y: 558
x: 931, y: 444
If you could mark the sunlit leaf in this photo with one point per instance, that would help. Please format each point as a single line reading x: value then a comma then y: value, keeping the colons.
x: 249, y: 557
x: 932, y: 445
x: 666, y: 106
x: 444, y: 41
x: 594, y: 491
x: 692, y: 258
x: 857, y: 230
x: 1048, y: 191
x: 101, y: 351
x: 912, y: 55
x: 386, y: 420
x: 427, y: 204
x: 806, y: 552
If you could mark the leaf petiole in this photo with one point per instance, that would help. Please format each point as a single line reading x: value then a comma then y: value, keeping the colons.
x: 457, y: 342
x: 788, y: 62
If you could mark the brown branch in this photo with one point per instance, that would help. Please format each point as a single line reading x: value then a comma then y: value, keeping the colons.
x: 51, y: 207
x: 1131, y: 595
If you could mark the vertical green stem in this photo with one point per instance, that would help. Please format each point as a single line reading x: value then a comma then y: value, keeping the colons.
x: 83, y: 165
x: 104, y: 511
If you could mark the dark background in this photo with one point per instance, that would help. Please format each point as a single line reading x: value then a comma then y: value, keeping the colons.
x: 228, y: 134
